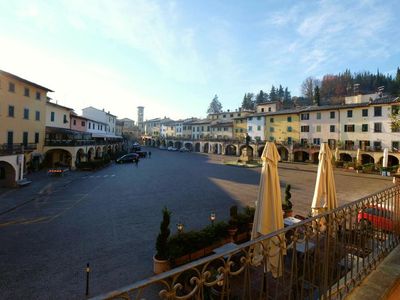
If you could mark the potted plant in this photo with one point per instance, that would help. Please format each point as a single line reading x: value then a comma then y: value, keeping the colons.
x: 160, y: 259
x: 287, y: 205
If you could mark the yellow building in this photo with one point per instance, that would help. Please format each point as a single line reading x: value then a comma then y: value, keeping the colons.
x: 283, y: 126
x: 240, y: 127
x: 22, y: 120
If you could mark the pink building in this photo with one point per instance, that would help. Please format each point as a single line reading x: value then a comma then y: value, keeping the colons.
x: 78, y: 123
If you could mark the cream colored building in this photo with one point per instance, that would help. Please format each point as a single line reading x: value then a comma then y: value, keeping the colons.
x: 22, y: 130
x: 57, y: 115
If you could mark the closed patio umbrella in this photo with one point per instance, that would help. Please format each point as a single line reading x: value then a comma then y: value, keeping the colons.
x: 268, y: 215
x: 337, y: 155
x: 325, y: 190
x: 358, y: 157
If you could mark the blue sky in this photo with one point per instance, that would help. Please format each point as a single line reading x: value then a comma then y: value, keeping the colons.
x: 173, y: 56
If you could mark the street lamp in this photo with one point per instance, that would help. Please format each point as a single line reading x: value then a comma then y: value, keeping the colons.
x: 212, y: 217
x: 180, y: 226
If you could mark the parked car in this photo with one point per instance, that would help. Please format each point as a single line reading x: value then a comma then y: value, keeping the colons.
x: 130, y: 157
x: 184, y: 149
x: 170, y: 148
x: 377, y: 217
x: 162, y: 148
x: 141, y: 153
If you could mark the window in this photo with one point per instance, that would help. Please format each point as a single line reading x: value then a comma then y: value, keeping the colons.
x: 26, y: 113
x: 378, y: 111
x: 83, y: 123
x: 271, y: 120
x: 36, y: 137
x: 202, y: 128
x: 236, y: 130
x: 25, y: 138
x: 225, y: 129
x: 11, y: 111
x: 250, y: 118
x: 37, y: 115
x: 365, y: 112
x: 349, y: 113
x: 332, y: 128
x: 258, y: 127
x: 332, y: 114
x: 262, y: 109
x: 318, y: 116
x: 303, y: 141
x: 395, y: 146
x: 26, y: 92
x: 74, y: 122
x: 250, y: 128
x: 38, y: 96
x: 258, y: 118
x: 269, y: 108
x: 52, y: 116
x: 318, y: 128
x: 11, y: 87
x: 289, y: 140
x: 349, y: 128
x: 305, y: 116
x: 317, y: 141
x: 271, y: 129
x: 241, y: 129
x: 305, y: 128
x: 289, y: 129
x: 224, y: 116
x: 90, y: 125
x: 10, y: 138
x: 377, y: 127
x: 289, y: 119
x: 377, y: 145
x: 364, y: 127
x: 231, y: 115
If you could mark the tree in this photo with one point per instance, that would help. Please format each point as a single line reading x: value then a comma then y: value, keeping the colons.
x: 286, y: 95
x: 272, y: 95
x: 317, y: 96
x: 215, y: 106
x: 162, y: 238
x: 261, y: 97
x: 308, y: 86
x: 280, y: 93
x: 248, y: 102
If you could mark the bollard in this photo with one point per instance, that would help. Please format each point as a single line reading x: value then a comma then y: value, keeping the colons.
x: 87, y: 279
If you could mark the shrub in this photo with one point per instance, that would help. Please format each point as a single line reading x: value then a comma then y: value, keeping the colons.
x: 368, y: 167
x: 287, y: 205
x: 162, y: 238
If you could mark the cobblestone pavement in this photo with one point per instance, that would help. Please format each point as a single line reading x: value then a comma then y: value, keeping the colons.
x: 110, y: 218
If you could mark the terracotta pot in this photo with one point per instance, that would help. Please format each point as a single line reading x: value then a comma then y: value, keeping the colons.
x: 232, y: 232
x: 160, y: 266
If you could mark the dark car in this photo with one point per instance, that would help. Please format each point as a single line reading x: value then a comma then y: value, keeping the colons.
x: 141, y: 153
x: 130, y: 157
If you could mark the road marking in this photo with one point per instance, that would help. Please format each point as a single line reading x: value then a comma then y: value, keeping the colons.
x: 25, y: 221
x: 113, y: 175
x: 91, y: 176
x: 105, y: 176
x: 68, y: 208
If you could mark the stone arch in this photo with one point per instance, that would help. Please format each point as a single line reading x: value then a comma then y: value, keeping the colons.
x: 197, y: 147
x: 314, y: 157
x: 345, y: 157
x: 90, y: 154
x: 250, y: 150
x: 367, y: 159
x: 283, y: 152
x: 7, y: 174
x: 260, y: 150
x: 178, y: 145
x: 98, y: 152
x: 301, y: 156
x: 80, y: 154
x: 205, y: 147
x: 58, y: 158
x: 230, y: 150
x: 392, y: 161
x: 189, y: 146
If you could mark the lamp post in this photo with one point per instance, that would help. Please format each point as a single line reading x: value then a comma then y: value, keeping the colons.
x: 179, y: 226
x: 212, y: 218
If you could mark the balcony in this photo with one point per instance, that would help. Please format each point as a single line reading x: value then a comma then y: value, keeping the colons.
x: 324, y: 257
x: 78, y: 143
x: 10, y: 149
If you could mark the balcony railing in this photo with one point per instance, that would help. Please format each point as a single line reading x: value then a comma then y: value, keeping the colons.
x: 77, y: 143
x: 322, y: 257
x: 9, y: 149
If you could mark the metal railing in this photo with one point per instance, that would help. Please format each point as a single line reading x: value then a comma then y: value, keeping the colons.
x: 77, y: 143
x: 8, y: 149
x: 321, y: 257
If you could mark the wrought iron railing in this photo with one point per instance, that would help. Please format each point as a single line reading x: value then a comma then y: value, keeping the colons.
x: 8, y: 149
x: 323, y: 257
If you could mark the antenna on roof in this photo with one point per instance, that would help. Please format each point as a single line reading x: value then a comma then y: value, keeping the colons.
x: 380, y: 90
x: 355, y: 88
